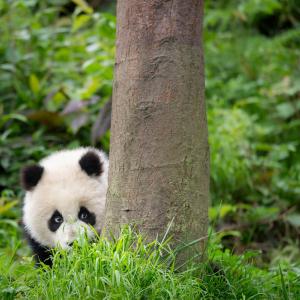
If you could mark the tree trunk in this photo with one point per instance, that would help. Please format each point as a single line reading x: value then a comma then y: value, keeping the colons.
x: 159, y: 158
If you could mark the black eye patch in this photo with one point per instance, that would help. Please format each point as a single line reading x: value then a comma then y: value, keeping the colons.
x: 55, y: 221
x: 86, y: 216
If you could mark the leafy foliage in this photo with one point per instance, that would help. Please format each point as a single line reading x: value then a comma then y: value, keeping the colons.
x: 253, y: 99
x: 54, y: 73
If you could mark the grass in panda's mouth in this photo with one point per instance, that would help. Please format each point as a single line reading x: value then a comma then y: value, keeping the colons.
x: 129, y: 268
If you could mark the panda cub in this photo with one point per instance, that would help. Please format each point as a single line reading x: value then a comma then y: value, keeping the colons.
x: 65, y: 194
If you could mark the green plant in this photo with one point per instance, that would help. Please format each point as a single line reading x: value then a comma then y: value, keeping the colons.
x: 130, y: 268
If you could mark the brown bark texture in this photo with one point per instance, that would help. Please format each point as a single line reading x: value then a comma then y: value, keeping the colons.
x: 159, y: 157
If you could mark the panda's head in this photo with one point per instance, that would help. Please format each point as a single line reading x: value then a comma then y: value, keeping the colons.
x: 65, y: 196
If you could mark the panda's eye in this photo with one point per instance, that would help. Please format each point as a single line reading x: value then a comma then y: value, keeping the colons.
x: 55, y: 221
x: 86, y: 216
x: 83, y: 216
x: 58, y: 219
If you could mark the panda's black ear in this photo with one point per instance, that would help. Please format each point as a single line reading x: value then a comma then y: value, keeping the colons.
x: 91, y: 164
x: 30, y: 176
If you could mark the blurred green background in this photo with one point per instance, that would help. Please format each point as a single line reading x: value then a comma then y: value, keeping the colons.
x: 56, y: 72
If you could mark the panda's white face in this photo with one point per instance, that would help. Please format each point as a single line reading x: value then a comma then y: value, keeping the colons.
x: 68, y: 198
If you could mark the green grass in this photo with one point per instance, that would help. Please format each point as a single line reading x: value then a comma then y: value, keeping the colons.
x: 130, y: 268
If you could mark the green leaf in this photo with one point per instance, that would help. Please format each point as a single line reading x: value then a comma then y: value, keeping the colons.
x: 80, y: 21
x: 227, y: 233
x: 221, y: 211
x: 34, y: 84
x: 118, y: 277
x: 84, y: 6
x: 12, y: 116
x: 90, y: 88
x: 4, y: 208
x: 226, y: 209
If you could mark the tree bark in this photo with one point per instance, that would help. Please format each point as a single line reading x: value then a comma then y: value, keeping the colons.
x: 159, y: 157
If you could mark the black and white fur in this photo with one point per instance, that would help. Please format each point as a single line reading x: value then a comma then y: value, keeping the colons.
x: 65, y: 194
